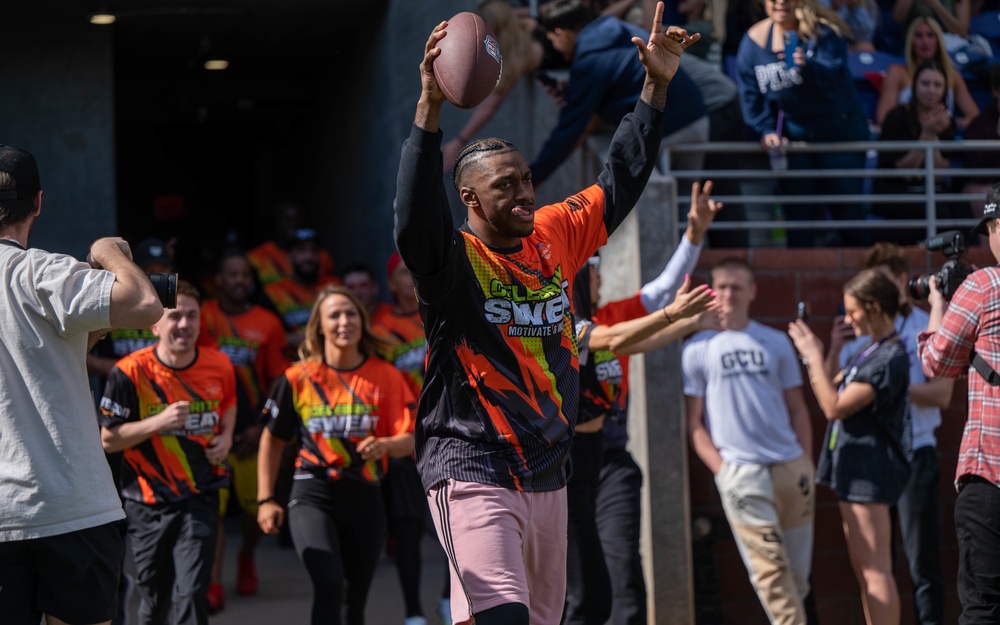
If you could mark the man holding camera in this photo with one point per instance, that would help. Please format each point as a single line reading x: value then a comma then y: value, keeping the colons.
x: 61, y: 522
x: 968, y: 330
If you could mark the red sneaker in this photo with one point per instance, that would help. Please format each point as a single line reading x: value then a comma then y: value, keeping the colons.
x: 246, y: 575
x: 216, y: 598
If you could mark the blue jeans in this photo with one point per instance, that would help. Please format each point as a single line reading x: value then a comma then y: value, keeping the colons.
x: 921, y: 529
x: 846, y: 127
x: 977, y: 526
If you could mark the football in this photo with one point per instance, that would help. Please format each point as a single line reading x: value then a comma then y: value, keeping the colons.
x: 468, y: 68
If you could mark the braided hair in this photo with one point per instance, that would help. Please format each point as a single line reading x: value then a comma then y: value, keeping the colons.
x: 473, y: 152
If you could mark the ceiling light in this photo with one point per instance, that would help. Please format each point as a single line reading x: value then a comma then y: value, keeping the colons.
x: 102, y: 19
x: 216, y: 64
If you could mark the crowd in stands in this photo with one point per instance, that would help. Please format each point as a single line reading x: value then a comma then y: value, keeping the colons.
x: 851, y: 63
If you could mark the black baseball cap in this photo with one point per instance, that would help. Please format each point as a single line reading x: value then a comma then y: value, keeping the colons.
x: 990, y: 213
x: 19, y: 165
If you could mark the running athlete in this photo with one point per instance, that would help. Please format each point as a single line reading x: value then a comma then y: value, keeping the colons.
x: 499, y: 401
x: 172, y: 407
x: 350, y: 410
x: 253, y: 339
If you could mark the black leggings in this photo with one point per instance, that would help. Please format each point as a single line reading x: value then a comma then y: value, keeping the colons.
x: 338, y: 529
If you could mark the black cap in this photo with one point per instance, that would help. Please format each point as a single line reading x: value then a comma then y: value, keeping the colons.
x: 989, y: 214
x: 19, y: 165
x: 150, y: 251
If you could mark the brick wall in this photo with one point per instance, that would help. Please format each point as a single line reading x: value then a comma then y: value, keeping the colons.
x: 724, y: 594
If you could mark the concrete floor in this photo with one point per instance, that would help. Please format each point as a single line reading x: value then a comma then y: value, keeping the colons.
x: 285, y: 595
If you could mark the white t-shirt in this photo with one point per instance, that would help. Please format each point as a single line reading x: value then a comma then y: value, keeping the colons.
x: 54, y: 478
x: 743, y: 375
x: 925, y: 419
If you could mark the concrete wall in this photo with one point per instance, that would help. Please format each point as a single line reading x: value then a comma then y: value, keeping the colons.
x: 57, y: 102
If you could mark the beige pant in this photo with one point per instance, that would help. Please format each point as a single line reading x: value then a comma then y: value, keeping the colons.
x: 770, y: 509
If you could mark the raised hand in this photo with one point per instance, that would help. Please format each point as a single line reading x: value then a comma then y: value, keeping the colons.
x: 703, y: 208
x: 689, y: 302
x: 809, y: 346
x: 661, y: 55
x: 428, y: 82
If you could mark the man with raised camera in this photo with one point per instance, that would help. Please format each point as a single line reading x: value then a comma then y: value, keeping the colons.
x: 61, y: 522
x: 968, y: 330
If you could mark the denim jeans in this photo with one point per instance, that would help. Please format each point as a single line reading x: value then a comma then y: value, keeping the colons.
x: 977, y: 526
x: 846, y: 127
x: 921, y: 529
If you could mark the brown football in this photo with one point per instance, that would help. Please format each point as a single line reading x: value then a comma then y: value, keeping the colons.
x: 468, y: 68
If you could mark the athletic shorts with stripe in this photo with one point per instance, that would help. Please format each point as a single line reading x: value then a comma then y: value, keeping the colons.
x: 503, y: 546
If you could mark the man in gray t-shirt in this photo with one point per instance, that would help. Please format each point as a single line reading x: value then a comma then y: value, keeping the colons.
x: 749, y: 424
x: 61, y: 522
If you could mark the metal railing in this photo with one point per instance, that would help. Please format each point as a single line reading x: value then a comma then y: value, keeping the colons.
x: 929, y: 198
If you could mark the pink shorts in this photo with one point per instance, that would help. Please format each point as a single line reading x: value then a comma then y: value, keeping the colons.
x: 503, y: 546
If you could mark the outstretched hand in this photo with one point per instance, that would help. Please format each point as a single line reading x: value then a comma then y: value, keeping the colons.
x: 703, y: 209
x: 690, y: 302
x: 661, y: 55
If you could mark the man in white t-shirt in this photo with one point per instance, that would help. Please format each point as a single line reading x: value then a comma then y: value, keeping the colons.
x: 919, y: 519
x: 61, y: 521
x: 749, y: 424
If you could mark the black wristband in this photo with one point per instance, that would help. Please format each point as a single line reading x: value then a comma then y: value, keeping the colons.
x: 261, y: 502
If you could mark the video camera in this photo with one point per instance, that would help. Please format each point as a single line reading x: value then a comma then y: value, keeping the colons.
x: 952, y: 273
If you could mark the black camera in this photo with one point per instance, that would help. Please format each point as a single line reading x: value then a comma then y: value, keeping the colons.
x: 952, y: 273
x: 165, y: 285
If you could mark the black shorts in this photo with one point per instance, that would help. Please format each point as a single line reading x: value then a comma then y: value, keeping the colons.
x: 73, y: 577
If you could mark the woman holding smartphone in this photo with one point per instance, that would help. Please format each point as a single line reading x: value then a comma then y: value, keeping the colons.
x: 350, y: 410
x: 865, y: 456
x: 795, y: 86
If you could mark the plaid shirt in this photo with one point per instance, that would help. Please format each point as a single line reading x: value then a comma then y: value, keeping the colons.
x: 972, y: 321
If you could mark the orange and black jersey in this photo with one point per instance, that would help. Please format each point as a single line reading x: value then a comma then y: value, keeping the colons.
x: 271, y: 262
x: 255, y: 342
x: 170, y: 466
x: 406, y: 344
x: 294, y: 300
x: 333, y: 410
x: 601, y: 377
x: 500, y: 395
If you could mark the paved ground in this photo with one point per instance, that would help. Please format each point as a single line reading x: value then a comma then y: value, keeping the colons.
x: 285, y: 594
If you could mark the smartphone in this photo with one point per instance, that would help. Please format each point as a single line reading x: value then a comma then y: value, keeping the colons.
x: 802, y: 312
x: 791, y: 43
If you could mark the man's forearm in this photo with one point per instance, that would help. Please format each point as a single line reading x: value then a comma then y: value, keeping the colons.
x: 654, y: 94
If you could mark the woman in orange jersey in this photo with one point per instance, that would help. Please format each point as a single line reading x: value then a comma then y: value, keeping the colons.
x: 351, y: 410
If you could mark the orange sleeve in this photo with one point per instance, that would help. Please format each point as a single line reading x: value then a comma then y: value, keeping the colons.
x: 275, y: 360
x: 578, y: 223
x: 400, y: 405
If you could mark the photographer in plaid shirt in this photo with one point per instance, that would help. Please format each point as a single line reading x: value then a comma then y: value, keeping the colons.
x: 956, y: 332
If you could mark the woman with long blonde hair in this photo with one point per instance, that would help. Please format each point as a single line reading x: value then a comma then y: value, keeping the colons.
x: 795, y: 85
x: 350, y: 410
x: 925, y: 42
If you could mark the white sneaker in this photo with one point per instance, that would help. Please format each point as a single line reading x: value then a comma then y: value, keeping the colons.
x: 444, y: 611
x: 415, y: 620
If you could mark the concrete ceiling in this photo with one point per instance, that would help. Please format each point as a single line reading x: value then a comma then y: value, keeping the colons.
x: 278, y: 50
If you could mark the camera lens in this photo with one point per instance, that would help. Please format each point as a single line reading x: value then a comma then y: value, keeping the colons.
x: 165, y: 285
x: 919, y: 286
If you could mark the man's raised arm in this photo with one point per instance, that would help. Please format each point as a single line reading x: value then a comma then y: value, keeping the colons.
x: 424, y: 228
x: 636, y: 144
